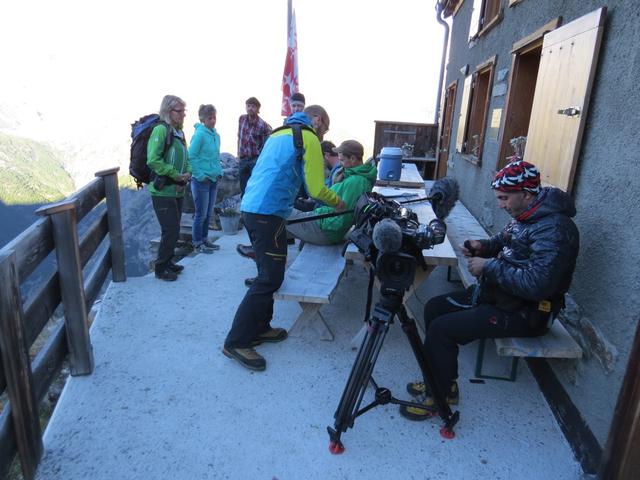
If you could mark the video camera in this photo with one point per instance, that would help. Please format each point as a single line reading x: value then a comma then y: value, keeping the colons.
x: 391, y: 238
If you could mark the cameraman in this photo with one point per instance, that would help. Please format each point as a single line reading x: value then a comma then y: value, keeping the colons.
x: 266, y: 203
x: 523, y: 274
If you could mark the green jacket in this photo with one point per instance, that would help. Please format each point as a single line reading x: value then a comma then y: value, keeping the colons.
x: 174, y: 162
x: 357, y: 180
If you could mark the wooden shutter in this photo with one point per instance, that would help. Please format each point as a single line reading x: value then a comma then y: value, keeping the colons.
x: 567, y: 69
x: 464, y: 113
x: 474, y: 27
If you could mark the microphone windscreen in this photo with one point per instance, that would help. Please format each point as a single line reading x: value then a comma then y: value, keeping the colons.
x: 444, y: 195
x: 387, y: 236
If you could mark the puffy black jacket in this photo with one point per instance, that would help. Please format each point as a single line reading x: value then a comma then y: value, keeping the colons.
x: 535, y: 255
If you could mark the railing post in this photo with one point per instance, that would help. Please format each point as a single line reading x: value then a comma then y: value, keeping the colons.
x: 17, y: 368
x: 65, y: 237
x: 112, y: 193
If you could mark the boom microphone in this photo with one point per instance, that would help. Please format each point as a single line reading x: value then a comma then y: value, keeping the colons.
x: 443, y: 195
x: 387, y: 236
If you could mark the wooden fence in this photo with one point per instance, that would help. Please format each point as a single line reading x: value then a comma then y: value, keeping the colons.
x: 22, y: 320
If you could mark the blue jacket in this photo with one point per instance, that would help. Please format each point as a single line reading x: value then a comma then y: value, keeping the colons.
x: 204, y: 153
x: 278, y: 175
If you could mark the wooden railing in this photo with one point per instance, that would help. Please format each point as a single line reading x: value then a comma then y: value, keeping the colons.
x: 22, y: 320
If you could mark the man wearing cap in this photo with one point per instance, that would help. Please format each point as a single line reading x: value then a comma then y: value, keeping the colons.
x: 267, y: 203
x: 357, y: 178
x: 297, y: 102
x: 331, y: 162
x: 253, y: 132
x: 523, y: 273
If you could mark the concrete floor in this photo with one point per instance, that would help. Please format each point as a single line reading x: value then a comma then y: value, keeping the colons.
x: 164, y: 403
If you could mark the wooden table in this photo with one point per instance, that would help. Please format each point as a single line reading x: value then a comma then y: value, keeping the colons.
x: 442, y: 254
x: 409, y: 178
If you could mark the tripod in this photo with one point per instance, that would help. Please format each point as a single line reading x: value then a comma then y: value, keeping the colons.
x: 389, y: 305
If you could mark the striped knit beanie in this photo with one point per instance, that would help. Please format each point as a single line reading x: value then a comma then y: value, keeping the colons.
x: 517, y: 176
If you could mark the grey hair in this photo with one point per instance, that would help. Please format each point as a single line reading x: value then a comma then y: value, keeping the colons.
x: 313, y: 110
x: 169, y: 102
x: 205, y: 111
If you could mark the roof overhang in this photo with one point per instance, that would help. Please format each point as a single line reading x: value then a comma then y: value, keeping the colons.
x: 448, y: 6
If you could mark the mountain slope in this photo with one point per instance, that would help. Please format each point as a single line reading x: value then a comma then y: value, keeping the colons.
x: 31, y: 172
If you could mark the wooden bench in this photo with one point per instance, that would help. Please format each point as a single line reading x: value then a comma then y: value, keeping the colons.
x: 311, y: 281
x: 557, y: 343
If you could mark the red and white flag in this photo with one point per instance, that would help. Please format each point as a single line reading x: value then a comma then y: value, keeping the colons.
x: 290, y: 75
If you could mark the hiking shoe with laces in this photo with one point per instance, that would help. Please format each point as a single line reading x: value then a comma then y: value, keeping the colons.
x: 246, y: 251
x: 247, y: 357
x: 202, y: 248
x: 211, y: 245
x: 273, y: 335
x: 167, y: 275
x: 172, y: 267
x: 420, y: 389
x: 429, y: 410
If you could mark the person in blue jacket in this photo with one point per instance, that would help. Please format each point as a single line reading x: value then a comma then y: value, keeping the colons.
x: 267, y: 202
x: 204, y: 155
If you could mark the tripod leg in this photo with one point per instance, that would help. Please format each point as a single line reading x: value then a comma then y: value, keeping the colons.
x: 411, y: 331
x: 357, y: 383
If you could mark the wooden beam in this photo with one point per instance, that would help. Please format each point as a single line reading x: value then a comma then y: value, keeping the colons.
x: 17, y: 368
x: 65, y: 234
x: 116, y: 238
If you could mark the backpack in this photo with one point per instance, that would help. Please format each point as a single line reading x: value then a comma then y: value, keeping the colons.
x: 140, y: 133
x: 298, y: 144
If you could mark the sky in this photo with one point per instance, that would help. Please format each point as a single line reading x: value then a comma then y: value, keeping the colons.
x: 85, y: 70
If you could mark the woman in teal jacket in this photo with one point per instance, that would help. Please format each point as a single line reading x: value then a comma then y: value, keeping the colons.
x: 172, y: 172
x: 204, y: 156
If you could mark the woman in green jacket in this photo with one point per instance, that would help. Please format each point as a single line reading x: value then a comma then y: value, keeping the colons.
x: 172, y: 172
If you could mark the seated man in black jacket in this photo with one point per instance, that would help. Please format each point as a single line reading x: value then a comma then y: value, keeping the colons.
x: 523, y: 274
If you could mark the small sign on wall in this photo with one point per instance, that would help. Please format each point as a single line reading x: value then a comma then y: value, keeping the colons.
x: 494, y: 125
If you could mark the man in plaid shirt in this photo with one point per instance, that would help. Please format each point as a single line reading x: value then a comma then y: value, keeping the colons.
x: 252, y: 134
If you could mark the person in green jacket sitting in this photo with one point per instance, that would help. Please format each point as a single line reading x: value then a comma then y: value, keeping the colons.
x: 355, y: 179
x: 172, y: 172
x: 204, y: 157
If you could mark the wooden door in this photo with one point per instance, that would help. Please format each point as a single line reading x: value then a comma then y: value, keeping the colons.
x: 567, y: 69
x: 445, y: 136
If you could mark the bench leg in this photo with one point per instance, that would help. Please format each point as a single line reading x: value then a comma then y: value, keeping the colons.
x: 480, y: 360
x: 311, y: 319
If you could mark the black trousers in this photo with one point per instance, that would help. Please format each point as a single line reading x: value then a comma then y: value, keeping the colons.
x: 168, y: 210
x: 269, y: 240
x: 448, y: 325
x: 245, y: 167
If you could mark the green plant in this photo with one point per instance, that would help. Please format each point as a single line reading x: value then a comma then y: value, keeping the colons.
x: 230, y: 212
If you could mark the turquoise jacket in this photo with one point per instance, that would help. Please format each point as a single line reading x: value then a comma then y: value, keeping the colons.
x: 204, y: 153
x: 278, y: 175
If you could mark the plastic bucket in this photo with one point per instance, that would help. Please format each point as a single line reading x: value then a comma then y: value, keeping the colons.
x: 390, y: 166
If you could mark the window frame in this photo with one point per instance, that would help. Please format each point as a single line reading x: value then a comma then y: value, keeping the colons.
x: 470, y: 115
x: 480, y: 25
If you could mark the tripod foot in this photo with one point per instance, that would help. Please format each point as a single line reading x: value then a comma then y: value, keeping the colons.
x: 336, y: 448
x: 447, y: 433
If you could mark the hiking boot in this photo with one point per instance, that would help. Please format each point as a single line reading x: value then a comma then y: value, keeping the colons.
x: 211, y: 245
x: 430, y: 410
x: 202, y: 248
x: 167, y: 275
x: 420, y: 389
x: 172, y: 267
x: 247, y: 357
x: 273, y: 335
x: 246, y: 251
